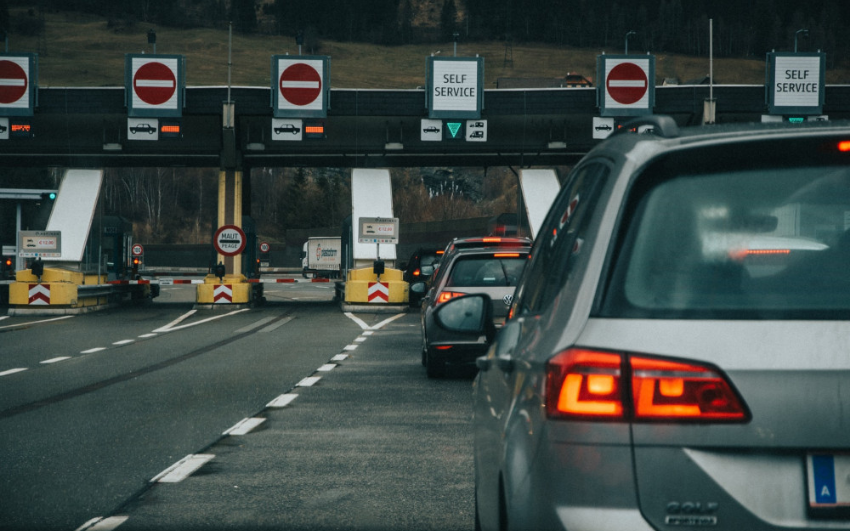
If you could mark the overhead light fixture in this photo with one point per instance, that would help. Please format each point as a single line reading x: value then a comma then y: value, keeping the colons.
x: 557, y: 145
x: 112, y: 146
x: 393, y: 146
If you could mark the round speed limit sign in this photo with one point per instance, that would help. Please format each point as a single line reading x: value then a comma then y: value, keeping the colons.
x: 229, y: 240
x: 138, y: 250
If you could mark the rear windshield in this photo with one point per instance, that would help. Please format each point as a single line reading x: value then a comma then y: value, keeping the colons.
x: 750, y: 243
x: 487, y: 271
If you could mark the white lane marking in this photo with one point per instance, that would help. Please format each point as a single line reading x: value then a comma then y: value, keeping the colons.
x: 275, y: 326
x: 55, y: 360
x: 327, y: 367
x: 103, y: 524
x: 169, y: 328
x: 12, y: 371
x: 124, y: 342
x: 387, y: 321
x: 360, y: 339
x: 93, y: 350
x: 145, y: 336
x: 309, y: 381
x: 357, y: 320
x: 244, y: 426
x: 367, y: 333
x: 37, y: 322
x: 254, y: 325
x: 178, y: 320
x: 339, y: 357
x: 282, y: 400
x: 182, y: 469
x: 3, y: 317
x: 350, y: 347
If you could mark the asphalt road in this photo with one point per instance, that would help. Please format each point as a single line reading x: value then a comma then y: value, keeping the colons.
x: 295, y: 415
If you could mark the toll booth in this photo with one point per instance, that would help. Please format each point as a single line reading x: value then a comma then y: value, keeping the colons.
x: 116, y: 244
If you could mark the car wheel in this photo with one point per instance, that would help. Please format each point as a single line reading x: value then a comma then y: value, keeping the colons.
x: 434, y: 367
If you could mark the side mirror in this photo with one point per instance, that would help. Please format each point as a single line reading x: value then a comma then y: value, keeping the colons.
x: 426, y: 271
x: 468, y: 315
x: 418, y: 287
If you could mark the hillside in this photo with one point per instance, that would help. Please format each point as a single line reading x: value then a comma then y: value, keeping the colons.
x: 84, y: 50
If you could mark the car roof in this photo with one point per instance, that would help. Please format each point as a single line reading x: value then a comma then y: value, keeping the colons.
x: 487, y: 242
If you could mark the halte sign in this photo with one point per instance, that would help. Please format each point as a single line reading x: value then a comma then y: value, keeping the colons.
x: 796, y: 83
x: 455, y: 87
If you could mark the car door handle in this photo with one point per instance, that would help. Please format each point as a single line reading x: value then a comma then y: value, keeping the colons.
x: 505, y: 363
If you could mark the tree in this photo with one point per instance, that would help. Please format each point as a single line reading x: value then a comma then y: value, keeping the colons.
x: 243, y: 13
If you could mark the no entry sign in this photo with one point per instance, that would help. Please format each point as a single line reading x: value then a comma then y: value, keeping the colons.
x: 629, y: 87
x: 17, y: 86
x: 154, y: 85
x: 300, y: 86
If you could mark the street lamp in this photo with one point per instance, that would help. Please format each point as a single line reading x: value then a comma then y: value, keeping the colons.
x: 629, y: 34
x: 805, y: 33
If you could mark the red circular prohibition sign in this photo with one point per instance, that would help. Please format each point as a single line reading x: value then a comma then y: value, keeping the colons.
x: 154, y: 83
x: 13, y: 82
x: 300, y: 84
x: 626, y: 83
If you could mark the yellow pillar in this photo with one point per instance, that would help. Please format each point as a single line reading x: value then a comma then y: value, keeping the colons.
x: 230, y: 212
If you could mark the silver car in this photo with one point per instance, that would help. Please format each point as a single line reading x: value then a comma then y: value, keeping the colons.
x: 678, y: 355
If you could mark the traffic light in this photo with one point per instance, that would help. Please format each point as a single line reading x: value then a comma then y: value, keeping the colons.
x: 220, y: 271
x: 48, y: 196
x: 6, y: 267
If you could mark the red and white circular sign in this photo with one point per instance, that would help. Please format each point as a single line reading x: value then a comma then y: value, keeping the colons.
x: 229, y: 240
x: 264, y: 247
x: 154, y: 83
x: 627, y: 83
x: 300, y: 84
x: 14, y: 82
x: 138, y: 250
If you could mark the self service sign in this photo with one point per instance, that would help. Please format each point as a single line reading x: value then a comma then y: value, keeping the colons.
x: 796, y: 83
x: 455, y: 87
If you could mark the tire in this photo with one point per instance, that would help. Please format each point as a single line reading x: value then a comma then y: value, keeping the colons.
x: 434, y: 367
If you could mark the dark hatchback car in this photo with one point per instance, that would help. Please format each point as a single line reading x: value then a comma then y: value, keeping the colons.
x: 421, y: 265
x: 493, y: 270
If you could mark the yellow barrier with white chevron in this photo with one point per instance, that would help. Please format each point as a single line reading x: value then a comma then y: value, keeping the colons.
x: 363, y: 286
x: 231, y: 289
x: 58, y: 288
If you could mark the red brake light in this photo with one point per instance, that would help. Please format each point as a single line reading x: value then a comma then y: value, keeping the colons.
x: 591, y: 384
x: 584, y: 383
x: 844, y: 145
x: 417, y: 272
x: 505, y: 255
x: 670, y: 390
x: 491, y: 240
x: 448, y: 295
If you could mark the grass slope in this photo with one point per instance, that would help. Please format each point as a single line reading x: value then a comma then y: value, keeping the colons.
x: 81, y: 50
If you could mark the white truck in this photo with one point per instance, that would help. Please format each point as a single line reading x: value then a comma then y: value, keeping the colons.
x: 321, y: 257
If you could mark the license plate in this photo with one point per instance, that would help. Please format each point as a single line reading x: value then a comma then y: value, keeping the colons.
x: 828, y: 480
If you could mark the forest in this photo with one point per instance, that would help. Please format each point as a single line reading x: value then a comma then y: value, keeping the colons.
x: 742, y: 28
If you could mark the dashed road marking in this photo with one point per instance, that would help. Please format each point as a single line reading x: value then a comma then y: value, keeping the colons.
x: 103, y: 524
x: 282, y: 400
x: 55, y: 360
x: 327, y: 367
x: 124, y: 342
x: 12, y: 371
x: 339, y: 357
x: 93, y: 350
x: 182, y: 469
x: 244, y: 426
x: 309, y: 381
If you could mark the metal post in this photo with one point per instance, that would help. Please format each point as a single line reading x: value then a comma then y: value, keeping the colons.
x: 629, y: 34
x: 19, y: 262
x: 805, y: 33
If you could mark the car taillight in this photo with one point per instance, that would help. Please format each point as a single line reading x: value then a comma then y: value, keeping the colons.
x: 448, y: 295
x: 844, y: 145
x: 599, y: 385
x: 584, y: 383
x: 416, y: 273
x: 670, y: 390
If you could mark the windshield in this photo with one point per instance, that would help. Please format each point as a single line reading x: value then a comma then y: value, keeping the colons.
x: 487, y: 271
x: 757, y: 241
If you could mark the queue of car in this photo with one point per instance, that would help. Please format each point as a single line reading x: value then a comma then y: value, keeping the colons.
x: 676, y: 350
